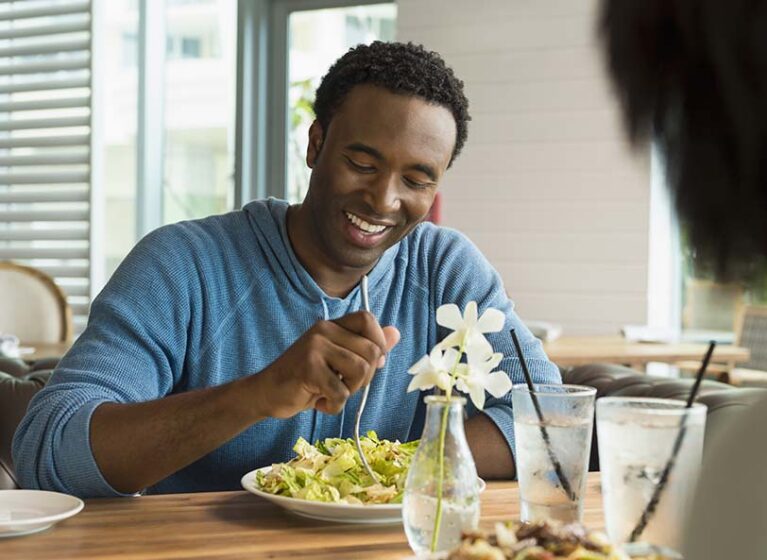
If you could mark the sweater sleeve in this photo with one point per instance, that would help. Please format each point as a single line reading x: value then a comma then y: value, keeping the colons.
x: 131, y: 351
x: 462, y: 274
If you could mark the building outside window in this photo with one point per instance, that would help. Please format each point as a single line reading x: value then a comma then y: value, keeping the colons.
x: 316, y: 38
x: 198, y: 104
x: 198, y: 119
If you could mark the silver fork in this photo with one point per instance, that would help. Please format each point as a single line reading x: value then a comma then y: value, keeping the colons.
x: 366, y: 304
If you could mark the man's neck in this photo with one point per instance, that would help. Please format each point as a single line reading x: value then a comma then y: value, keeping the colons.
x: 334, y: 282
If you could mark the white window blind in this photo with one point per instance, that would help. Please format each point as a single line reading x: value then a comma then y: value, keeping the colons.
x: 45, y: 141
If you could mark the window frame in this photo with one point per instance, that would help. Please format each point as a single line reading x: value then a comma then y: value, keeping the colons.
x: 664, y: 270
x: 262, y: 89
x: 150, y: 130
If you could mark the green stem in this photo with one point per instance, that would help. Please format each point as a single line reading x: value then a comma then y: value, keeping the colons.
x: 441, y: 476
x: 441, y: 451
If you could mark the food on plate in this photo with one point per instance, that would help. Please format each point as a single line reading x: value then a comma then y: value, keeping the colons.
x: 331, y: 471
x: 539, y: 541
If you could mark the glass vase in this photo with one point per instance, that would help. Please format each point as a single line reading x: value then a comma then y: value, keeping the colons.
x: 441, y: 497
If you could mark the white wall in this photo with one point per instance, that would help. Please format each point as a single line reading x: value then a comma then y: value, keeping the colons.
x: 546, y: 185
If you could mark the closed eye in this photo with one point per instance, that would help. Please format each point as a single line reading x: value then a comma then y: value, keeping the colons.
x: 360, y: 167
x: 416, y: 184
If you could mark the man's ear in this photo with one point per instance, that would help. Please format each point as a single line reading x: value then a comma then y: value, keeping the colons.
x: 316, y: 136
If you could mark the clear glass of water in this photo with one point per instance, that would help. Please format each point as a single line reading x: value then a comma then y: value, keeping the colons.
x: 562, y: 440
x: 636, y: 438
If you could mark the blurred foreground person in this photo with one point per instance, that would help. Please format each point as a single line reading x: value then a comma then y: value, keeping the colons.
x: 691, y: 75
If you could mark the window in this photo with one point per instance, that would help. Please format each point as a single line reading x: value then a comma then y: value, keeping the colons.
x: 316, y: 38
x: 178, y: 47
x: 129, y: 49
x: 45, y: 142
x: 711, y: 309
x: 118, y: 78
x: 193, y: 96
x: 684, y: 295
x: 199, y: 110
x: 191, y: 47
x: 186, y: 2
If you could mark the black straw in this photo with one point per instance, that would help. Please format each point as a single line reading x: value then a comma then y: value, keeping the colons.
x: 652, y: 505
x: 544, y: 433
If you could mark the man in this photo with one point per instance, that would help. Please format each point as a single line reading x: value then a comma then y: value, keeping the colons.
x: 218, y: 342
x: 692, y: 75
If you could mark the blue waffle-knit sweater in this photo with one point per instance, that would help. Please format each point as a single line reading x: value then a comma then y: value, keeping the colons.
x: 204, y: 302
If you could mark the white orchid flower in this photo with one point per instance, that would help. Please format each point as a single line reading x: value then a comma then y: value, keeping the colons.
x: 433, y: 369
x: 476, y: 376
x: 468, y: 329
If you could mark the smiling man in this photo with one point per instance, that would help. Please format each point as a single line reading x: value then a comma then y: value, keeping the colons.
x: 218, y: 342
x: 375, y: 170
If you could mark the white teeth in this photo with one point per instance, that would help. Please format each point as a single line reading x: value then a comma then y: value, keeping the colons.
x: 363, y: 225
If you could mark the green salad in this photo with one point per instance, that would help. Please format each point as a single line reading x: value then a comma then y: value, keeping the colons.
x: 331, y: 471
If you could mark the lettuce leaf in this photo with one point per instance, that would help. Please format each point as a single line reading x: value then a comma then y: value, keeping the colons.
x: 331, y: 471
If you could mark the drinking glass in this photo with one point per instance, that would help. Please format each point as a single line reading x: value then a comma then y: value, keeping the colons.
x: 548, y: 451
x: 636, y: 438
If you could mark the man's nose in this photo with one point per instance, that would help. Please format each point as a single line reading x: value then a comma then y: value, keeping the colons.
x: 385, y: 195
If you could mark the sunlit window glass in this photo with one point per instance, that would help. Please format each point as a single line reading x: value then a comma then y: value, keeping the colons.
x: 199, y: 108
x: 316, y: 39
x: 119, y: 80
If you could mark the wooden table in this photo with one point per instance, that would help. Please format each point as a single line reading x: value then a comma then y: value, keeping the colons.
x: 581, y: 350
x: 237, y: 525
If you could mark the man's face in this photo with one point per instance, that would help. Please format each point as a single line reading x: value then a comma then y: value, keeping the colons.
x: 375, y: 174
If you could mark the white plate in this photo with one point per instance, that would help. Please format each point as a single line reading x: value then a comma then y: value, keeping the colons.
x: 28, y: 511
x: 325, y: 511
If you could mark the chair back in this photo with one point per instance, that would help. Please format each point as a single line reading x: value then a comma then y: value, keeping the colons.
x: 724, y: 402
x: 751, y: 333
x: 32, y: 306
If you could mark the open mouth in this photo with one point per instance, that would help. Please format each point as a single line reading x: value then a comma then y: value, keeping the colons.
x: 365, y: 227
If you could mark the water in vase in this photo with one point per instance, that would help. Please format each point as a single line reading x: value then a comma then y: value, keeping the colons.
x: 418, y: 518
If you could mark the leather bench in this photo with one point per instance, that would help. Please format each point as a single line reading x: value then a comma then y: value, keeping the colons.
x: 19, y: 382
x: 724, y: 401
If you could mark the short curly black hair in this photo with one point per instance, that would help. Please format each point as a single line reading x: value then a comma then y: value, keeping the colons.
x: 404, y: 68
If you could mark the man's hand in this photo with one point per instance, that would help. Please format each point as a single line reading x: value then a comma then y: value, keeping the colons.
x: 330, y: 362
x: 138, y: 444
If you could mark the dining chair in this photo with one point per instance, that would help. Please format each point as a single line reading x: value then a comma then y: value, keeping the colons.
x: 32, y: 306
x: 751, y: 333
